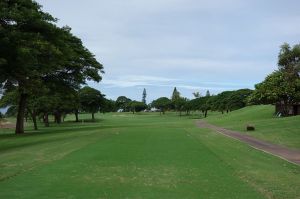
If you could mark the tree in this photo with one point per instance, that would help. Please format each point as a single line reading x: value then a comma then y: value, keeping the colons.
x: 282, y: 86
x: 238, y: 99
x: 90, y: 100
x: 180, y: 104
x: 289, y: 59
x: 108, y: 106
x: 144, y: 96
x: 122, y: 102
x: 33, y: 50
x: 229, y: 100
x: 207, y: 93
x: 276, y: 89
x: 197, y: 94
x: 202, y: 104
x: 22, y: 46
x: 221, y: 102
x: 175, y: 95
x: 136, y: 106
x: 162, y: 103
x: 205, y: 105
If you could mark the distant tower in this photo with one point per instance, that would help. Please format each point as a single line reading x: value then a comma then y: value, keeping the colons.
x: 144, y: 96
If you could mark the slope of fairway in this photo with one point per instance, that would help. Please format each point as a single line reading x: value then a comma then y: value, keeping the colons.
x: 282, y: 131
x: 139, y: 156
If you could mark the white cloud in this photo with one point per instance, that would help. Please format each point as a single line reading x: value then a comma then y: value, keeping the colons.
x: 191, y: 44
x: 134, y: 80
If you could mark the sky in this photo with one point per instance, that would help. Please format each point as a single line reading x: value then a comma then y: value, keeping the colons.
x: 195, y: 45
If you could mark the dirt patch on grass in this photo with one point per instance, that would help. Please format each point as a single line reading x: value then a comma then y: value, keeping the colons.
x: 285, y: 153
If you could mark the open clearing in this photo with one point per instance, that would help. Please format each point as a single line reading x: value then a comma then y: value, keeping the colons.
x: 139, y: 156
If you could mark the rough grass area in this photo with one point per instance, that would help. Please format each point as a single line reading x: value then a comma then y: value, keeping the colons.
x: 282, y: 131
x: 139, y: 156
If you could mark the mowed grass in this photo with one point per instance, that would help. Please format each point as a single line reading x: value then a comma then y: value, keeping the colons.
x: 139, y: 156
x: 279, y: 130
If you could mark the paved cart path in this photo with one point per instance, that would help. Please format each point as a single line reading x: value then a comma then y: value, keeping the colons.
x: 290, y: 155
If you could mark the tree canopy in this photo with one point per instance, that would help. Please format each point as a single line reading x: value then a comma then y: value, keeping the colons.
x: 283, y: 85
x: 162, y: 103
x: 91, y: 100
x: 34, y: 51
x: 122, y: 102
x: 144, y: 96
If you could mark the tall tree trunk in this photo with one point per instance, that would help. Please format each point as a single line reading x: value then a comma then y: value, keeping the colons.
x: 205, y: 113
x: 93, y: 116
x: 46, y: 120
x: 33, y: 116
x: 285, y: 108
x: 76, y: 115
x: 21, y: 113
x: 57, y: 117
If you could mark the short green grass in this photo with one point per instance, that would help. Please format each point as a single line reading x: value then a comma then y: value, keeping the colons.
x: 139, y: 156
x: 282, y: 131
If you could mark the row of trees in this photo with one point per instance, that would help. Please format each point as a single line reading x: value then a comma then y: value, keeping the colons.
x: 58, y: 104
x: 41, y: 64
x: 223, y: 102
x: 125, y: 104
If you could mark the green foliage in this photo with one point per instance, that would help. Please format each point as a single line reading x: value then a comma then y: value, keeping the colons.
x: 90, y: 100
x: 162, y: 103
x: 11, y: 111
x: 180, y: 103
x: 231, y: 100
x: 136, y: 106
x: 9, y: 98
x: 144, y: 96
x: 276, y: 88
x: 282, y: 86
x: 289, y: 59
x: 34, y: 51
x: 175, y: 95
x: 202, y: 104
x: 271, y: 90
x: 197, y: 94
x: 123, y: 102
x: 108, y: 106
